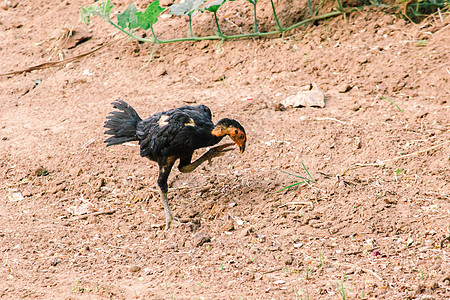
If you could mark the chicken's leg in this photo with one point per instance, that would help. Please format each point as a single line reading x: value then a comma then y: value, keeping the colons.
x: 208, y: 156
x: 167, y: 211
x: 164, y: 171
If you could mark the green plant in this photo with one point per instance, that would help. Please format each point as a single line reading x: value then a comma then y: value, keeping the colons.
x: 393, y: 103
x: 255, y: 20
x: 310, y: 8
x: 223, y: 80
x: 189, y: 8
x: 80, y: 289
x: 127, y: 21
x: 300, y: 293
x: 363, y: 293
x: 319, y: 6
x: 310, y: 179
x: 214, y: 7
x: 417, y: 10
x: 340, y: 288
x: 132, y: 19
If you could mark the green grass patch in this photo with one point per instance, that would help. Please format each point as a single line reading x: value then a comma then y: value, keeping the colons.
x: 305, y: 180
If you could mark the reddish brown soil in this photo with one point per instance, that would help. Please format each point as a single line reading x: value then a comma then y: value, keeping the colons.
x: 374, y: 224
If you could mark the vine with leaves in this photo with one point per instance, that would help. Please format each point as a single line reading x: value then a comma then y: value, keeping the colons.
x: 131, y: 19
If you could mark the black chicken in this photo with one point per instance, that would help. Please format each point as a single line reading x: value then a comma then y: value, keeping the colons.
x: 171, y: 135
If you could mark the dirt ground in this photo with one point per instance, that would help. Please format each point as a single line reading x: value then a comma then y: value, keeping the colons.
x: 76, y: 217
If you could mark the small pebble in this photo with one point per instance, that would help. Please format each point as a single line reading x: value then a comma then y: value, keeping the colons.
x: 344, y: 88
x: 200, y: 238
x: 135, y: 269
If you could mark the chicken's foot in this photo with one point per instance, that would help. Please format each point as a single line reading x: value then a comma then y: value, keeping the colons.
x: 208, y: 156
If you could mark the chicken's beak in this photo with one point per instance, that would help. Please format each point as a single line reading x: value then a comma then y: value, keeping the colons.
x: 240, y: 144
x: 242, y: 148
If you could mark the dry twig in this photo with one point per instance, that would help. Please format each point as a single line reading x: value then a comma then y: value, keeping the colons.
x: 63, y: 199
x: 296, y: 203
x: 62, y: 62
x: 380, y: 163
x: 98, y: 213
x: 361, y: 251
x: 268, y: 272
x: 361, y: 268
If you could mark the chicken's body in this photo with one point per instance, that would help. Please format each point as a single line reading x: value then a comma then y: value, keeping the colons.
x: 174, y: 134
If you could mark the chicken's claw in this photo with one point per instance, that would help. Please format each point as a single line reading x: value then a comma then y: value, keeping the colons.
x: 172, y: 222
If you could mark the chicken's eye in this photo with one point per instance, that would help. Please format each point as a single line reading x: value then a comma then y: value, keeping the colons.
x: 236, y: 132
x: 241, y: 136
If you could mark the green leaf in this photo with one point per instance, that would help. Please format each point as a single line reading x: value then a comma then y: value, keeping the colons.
x: 289, y: 186
x: 105, y: 7
x: 307, y: 172
x: 128, y: 18
x: 102, y: 11
x: 295, y: 175
x: 252, y: 1
x: 393, y: 103
x: 305, y: 180
x: 215, y: 5
x: 86, y: 13
x: 188, y: 7
x: 150, y: 16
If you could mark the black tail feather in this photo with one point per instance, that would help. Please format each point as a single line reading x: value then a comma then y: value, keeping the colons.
x: 121, y: 124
